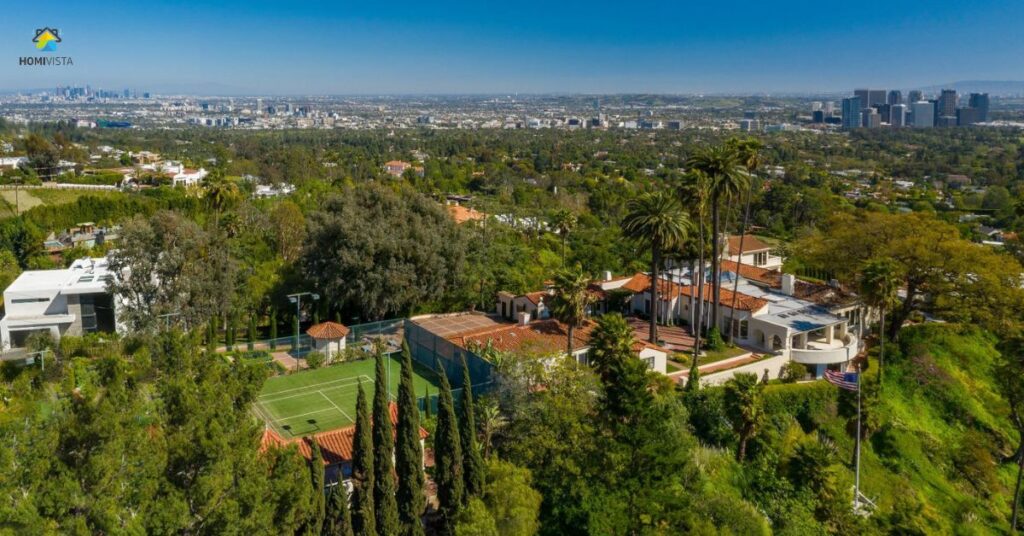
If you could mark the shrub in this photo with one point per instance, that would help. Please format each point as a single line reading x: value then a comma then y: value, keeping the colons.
x: 315, y: 360
x: 714, y: 341
x: 793, y: 372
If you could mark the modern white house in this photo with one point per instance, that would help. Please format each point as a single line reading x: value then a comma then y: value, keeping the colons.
x: 70, y: 301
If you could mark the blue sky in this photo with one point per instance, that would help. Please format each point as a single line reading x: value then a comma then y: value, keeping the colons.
x: 342, y: 47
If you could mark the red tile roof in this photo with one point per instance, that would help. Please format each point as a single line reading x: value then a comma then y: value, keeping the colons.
x: 544, y: 336
x: 668, y: 290
x: 642, y: 283
x: 762, y: 275
x: 328, y: 330
x: 751, y: 244
x: 335, y: 445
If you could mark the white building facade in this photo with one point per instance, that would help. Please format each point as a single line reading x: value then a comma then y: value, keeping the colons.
x: 71, y: 301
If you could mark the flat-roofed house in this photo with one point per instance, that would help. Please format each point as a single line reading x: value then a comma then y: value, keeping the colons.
x: 71, y: 301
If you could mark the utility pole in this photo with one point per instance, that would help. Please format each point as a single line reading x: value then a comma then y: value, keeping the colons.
x: 297, y: 300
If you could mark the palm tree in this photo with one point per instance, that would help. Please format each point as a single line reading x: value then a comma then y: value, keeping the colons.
x: 657, y: 220
x: 696, y: 192
x: 722, y: 165
x: 749, y: 153
x: 571, y: 300
x: 879, y: 283
x: 221, y: 193
x: 563, y: 221
x: 744, y: 402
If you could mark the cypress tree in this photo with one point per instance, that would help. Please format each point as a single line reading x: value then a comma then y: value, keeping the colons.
x: 473, y: 464
x: 211, y: 335
x: 385, y: 508
x: 337, y: 520
x: 273, y: 329
x: 251, y: 343
x: 693, y: 379
x: 426, y: 398
x: 448, y: 458
x: 363, y: 520
x: 229, y: 337
x: 409, y: 453
x: 317, y: 511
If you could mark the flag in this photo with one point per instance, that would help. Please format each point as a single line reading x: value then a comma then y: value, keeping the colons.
x: 842, y: 380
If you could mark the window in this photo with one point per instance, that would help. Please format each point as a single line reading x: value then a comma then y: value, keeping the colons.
x: 761, y: 258
x: 30, y: 300
x: 649, y: 361
x: 743, y: 329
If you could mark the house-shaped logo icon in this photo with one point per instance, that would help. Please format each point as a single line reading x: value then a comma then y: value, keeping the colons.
x: 46, y: 39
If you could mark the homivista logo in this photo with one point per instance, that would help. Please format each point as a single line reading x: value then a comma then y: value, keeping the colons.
x: 46, y: 40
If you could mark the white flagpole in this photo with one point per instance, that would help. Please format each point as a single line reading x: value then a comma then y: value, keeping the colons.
x: 856, y: 478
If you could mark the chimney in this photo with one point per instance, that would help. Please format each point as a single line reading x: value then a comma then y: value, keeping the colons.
x: 607, y: 275
x: 788, y: 284
x: 524, y: 318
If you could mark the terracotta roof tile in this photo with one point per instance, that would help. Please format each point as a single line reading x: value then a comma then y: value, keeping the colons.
x: 545, y: 336
x: 335, y: 445
x: 751, y: 244
x: 328, y: 330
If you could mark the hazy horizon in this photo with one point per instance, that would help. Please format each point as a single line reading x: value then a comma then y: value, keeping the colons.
x: 462, y: 48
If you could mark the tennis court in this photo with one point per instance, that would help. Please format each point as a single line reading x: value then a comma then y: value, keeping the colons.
x: 323, y: 399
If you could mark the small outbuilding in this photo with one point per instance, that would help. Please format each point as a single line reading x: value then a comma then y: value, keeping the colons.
x: 328, y: 338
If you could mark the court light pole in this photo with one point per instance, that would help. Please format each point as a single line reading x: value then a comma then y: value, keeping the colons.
x: 297, y: 300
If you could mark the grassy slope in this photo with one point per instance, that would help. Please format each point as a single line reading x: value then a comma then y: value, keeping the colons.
x: 939, y: 400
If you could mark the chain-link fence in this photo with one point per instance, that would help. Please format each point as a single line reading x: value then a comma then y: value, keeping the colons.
x: 433, y: 351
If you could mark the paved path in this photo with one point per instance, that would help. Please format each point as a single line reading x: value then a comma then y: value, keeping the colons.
x: 287, y: 361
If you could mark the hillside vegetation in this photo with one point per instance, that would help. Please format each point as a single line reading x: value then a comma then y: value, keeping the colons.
x: 937, y: 436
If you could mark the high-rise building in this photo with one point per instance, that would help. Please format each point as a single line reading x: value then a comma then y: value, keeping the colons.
x: 979, y: 101
x: 818, y: 116
x: 895, y: 97
x: 877, y: 97
x: 898, y: 115
x: 864, y: 95
x: 870, y: 97
x: 851, y: 112
x: 915, y: 95
x: 947, y: 103
x: 829, y: 107
x: 967, y: 116
x: 924, y: 114
x: 883, y: 111
x: 815, y: 106
x: 870, y: 118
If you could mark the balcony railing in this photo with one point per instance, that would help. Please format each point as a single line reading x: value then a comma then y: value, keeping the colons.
x: 822, y: 353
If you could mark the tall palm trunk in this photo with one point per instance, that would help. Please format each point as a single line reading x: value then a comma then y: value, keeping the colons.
x: 739, y: 265
x: 572, y: 334
x: 698, y: 327
x: 881, y: 348
x: 655, y: 262
x: 1020, y: 471
x: 715, y: 254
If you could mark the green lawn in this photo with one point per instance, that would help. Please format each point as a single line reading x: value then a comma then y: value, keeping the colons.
x: 324, y: 399
x: 711, y: 356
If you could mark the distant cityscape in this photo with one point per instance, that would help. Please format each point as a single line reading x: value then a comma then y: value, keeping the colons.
x: 876, y: 108
x: 87, y: 106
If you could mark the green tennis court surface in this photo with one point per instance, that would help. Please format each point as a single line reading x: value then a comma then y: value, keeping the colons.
x: 318, y: 400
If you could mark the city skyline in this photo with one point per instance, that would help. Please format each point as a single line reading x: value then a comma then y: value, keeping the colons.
x: 460, y: 48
